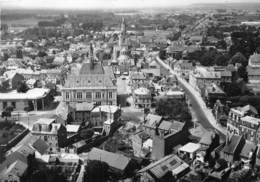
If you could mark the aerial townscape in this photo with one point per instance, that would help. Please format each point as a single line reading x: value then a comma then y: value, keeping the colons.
x: 156, y: 94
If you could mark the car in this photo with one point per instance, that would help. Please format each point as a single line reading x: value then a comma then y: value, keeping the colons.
x: 124, y: 78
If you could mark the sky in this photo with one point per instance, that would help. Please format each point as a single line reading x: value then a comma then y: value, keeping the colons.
x: 92, y: 4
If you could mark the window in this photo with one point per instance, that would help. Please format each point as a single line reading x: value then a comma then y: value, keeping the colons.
x: 67, y: 95
x: 98, y: 95
x: 4, y: 105
x: 88, y: 95
x: 110, y: 95
x: 14, y: 104
x: 79, y: 95
x: 98, y: 103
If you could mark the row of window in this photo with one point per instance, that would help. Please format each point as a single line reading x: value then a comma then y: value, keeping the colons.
x: 13, y: 104
x: 88, y: 95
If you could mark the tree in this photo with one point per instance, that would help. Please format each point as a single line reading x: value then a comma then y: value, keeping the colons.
x: 221, y: 60
x: 162, y: 54
x: 96, y: 171
x: 42, y: 54
x: 19, y: 53
x: 69, y: 118
x: 239, y: 58
x: 7, y: 112
x: 172, y: 109
x: 242, y: 73
x: 5, y: 86
x: 86, y: 133
x: 22, y: 87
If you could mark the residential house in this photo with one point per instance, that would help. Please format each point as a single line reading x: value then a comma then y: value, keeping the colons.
x: 151, y: 122
x: 138, y: 79
x: 212, y: 93
x: 169, y: 168
x: 203, y: 76
x: 190, y: 150
x: 103, y: 113
x: 138, y: 144
x: 249, y: 127
x: 81, y: 112
x: 248, y: 152
x: 253, y: 68
x: 14, y: 172
x: 233, y: 147
x: 167, y: 136
x: 235, y: 115
x: 54, y: 134
x: 142, y: 97
x: 153, y: 69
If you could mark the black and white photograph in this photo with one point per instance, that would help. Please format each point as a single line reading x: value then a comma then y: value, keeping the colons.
x: 129, y: 90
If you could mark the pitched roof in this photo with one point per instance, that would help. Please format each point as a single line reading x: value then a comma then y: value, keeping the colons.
x: 248, y: 148
x: 18, y: 168
x: 152, y: 120
x: 165, y: 125
x: 207, y: 138
x: 88, y: 69
x: 40, y: 146
x: 232, y: 144
x: 114, y: 160
x: 84, y: 106
x: 89, y: 81
x: 163, y: 166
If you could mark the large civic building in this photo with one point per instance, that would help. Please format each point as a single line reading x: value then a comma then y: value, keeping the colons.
x: 95, y: 83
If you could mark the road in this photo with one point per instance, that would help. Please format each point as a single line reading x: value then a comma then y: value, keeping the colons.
x: 27, y: 119
x: 204, y: 114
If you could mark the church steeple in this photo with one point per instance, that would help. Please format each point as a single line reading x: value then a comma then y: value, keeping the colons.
x: 91, y: 55
x: 123, y: 27
x: 122, y: 33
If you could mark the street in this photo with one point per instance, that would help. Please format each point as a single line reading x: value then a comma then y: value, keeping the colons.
x: 204, y: 115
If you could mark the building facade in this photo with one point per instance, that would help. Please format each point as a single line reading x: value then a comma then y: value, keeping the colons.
x: 54, y: 134
x: 94, y: 84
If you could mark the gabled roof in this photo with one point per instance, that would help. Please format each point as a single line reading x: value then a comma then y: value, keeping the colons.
x: 87, y: 68
x: 114, y: 160
x: 40, y: 146
x: 94, y: 81
x: 232, y: 144
x: 152, y: 120
x: 85, y: 106
x: 248, y: 149
x: 165, y: 125
x: 163, y: 166
x: 18, y: 168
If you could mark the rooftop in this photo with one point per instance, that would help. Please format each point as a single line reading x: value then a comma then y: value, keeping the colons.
x: 45, y: 121
x: 250, y: 119
x: 71, y: 128
x: 190, y: 147
x: 106, y: 108
x: 142, y: 91
x: 117, y: 161
x: 32, y: 94
x: 163, y: 166
x: 232, y: 144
